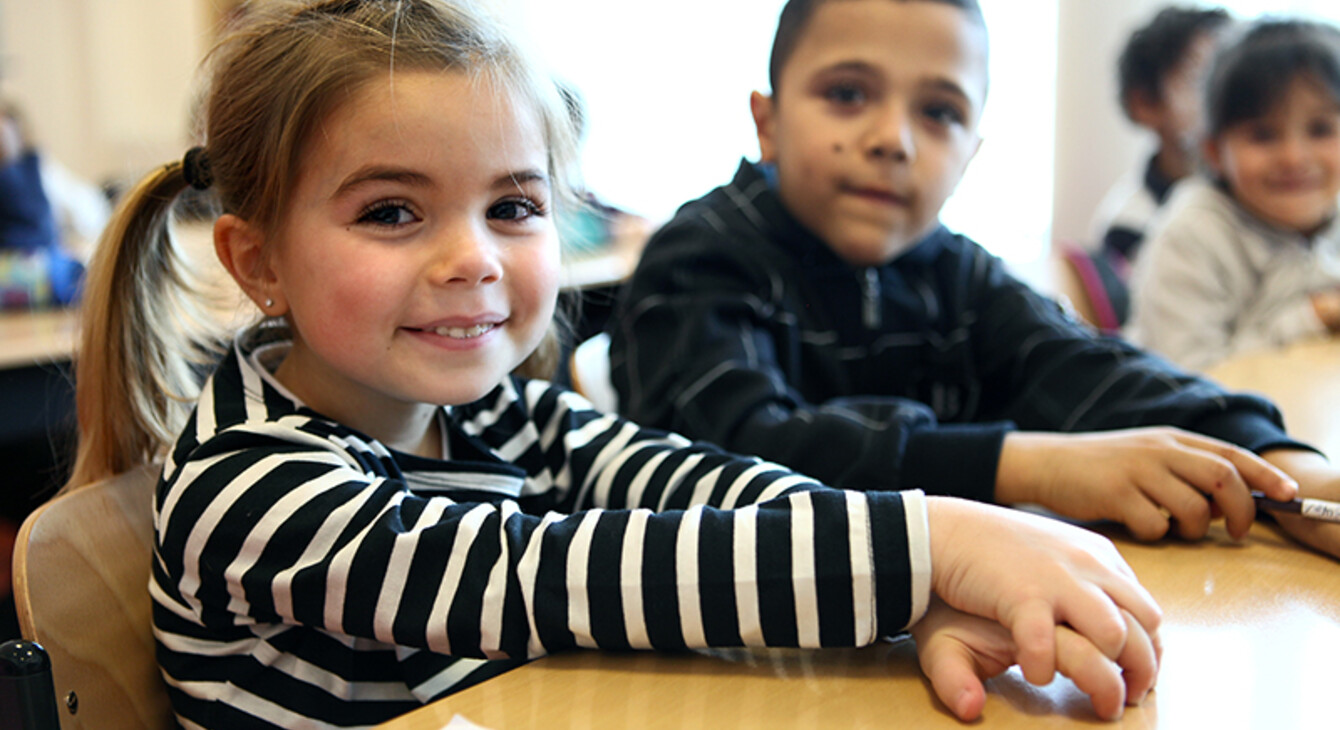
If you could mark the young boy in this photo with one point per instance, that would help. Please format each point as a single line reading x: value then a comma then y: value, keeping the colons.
x: 815, y: 312
x: 1159, y: 78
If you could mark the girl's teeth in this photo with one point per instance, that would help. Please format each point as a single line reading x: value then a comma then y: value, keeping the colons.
x: 462, y: 333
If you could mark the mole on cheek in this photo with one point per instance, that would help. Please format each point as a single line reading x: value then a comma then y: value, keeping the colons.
x: 837, y: 147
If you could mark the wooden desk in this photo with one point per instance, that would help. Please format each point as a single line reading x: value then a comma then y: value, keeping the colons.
x: 37, y: 338
x: 1251, y: 640
x: 1303, y: 380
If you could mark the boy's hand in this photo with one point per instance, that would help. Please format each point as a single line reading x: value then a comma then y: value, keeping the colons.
x: 1143, y: 478
x: 1317, y: 479
x: 957, y: 651
x: 1032, y: 574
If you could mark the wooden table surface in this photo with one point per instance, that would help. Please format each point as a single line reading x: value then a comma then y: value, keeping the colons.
x: 1303, y: 379
x: 1251, y: 640
x: 38, y: 337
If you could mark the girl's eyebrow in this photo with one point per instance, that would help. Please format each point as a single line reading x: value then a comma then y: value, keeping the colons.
x: 518, y: 178
x: 381, y: 173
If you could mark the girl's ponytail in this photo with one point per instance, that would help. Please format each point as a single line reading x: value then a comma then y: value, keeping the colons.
x: 142, y: 335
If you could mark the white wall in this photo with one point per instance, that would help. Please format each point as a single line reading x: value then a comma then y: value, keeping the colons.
x: 1095, y: 143
x: 107, y: 84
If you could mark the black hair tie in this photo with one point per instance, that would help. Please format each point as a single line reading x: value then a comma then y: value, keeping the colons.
x: 195, y: 168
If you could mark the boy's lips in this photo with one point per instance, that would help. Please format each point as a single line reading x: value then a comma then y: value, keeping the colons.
x: 877, y: 194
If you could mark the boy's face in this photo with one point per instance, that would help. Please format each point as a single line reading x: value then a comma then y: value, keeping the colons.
x: 874, y: 121
x: 1179, y: 110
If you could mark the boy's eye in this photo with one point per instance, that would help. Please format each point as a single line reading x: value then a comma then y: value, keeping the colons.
x: 845, y: 94
x: 515, y: 209
x: 388, y: 213
x: 944, y: 114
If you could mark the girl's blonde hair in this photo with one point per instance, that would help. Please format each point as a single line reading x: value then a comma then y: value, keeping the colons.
x: 273, y: 80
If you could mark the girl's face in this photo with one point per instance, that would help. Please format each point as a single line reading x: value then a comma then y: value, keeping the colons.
x: 418, y: 260
x: 1284, y: 167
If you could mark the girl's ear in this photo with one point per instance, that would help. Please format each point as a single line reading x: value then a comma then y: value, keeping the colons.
x: 762, y: 107
x: 241, y: 249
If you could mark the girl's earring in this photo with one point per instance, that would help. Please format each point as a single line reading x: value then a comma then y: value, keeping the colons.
x: 269, y: 303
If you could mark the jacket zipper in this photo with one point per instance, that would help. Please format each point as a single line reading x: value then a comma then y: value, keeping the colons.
x: 871, y: 311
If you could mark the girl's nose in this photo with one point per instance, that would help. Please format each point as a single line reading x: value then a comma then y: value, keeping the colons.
x: 469, y: 257
x: 890, y: 136
x: 1293, y: 150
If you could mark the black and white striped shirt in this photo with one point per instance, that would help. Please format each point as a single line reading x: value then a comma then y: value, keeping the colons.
x: 306, y: 575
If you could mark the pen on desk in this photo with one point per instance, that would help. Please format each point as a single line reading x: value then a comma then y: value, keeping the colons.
x: 1317, y: 509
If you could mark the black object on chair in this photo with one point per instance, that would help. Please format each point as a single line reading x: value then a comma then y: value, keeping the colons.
x: 27, y: 694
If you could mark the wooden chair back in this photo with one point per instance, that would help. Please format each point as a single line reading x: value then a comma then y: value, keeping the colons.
x: 81, y: 588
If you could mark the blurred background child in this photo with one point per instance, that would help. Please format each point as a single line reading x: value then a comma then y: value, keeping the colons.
x: 1159, y: 79
x: 1159, y: 75
x: 35, y: 268
x: 1248, y: 257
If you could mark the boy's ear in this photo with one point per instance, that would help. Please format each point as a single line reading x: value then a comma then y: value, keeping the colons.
x: 241, y: 249
x: 1209, y: 150
x: 763, y: 109
x: 1144, y: 110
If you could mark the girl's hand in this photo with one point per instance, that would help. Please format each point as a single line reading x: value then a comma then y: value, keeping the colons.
x: 957, y: 651
x: 1327, y: 306
x: 1143, y: 478
x: 1032, y: 574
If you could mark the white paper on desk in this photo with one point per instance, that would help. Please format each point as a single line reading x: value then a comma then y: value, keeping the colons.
x: 460, y: 723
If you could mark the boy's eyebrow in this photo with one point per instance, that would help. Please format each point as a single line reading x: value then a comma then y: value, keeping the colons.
x: 937, y: 84
x: 948, y: 86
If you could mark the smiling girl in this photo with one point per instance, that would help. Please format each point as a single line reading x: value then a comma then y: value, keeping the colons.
x: 1249, y: 257
x: 369, y: 507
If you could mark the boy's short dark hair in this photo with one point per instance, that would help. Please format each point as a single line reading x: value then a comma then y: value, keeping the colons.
x: 796, y: 16
x: 1250, y: 75
x: 1156, y: 48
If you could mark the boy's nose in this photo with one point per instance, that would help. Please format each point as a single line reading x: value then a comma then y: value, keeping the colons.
x: 890, y: 136
x: 468, y: 257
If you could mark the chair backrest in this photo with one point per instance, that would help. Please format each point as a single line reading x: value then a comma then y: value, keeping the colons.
x: 81, y: 588
x: 1094, y: 287
x: 590, y: 373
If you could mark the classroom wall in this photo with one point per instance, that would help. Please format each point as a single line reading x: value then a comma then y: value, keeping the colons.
x: 1095, y: 143
x: 108, y: 86
x: 106, y: 83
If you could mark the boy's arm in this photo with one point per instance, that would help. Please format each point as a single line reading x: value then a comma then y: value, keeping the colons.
x: 1317, y: 479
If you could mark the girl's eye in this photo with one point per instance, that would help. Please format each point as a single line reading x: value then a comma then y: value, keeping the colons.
x: 1261, y: 134
x: 845, y: 94
x: 388, y: 213
x: 1323, y: 128
x: 515, y: 209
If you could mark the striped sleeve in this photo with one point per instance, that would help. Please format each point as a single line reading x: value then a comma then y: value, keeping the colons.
x: 296, y: 538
